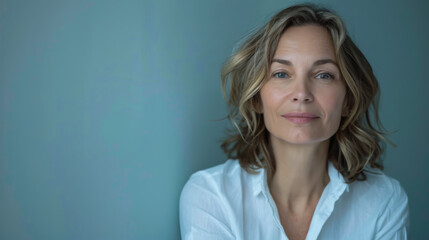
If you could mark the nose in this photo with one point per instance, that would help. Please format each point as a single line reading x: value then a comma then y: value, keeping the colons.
x: 301, y: 92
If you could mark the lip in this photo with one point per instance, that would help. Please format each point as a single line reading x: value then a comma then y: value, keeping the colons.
x: 300, y: 117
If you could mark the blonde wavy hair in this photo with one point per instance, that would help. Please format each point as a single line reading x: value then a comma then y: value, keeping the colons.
x: 360, y: 138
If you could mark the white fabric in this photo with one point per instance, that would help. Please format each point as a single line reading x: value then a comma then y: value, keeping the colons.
x: 226, y: 202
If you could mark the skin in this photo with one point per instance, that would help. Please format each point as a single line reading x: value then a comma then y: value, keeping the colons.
x: 300, y: 82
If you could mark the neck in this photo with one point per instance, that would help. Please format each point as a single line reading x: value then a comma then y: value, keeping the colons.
x: 301, y: 174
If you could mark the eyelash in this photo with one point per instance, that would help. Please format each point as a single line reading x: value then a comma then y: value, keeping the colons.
x: 276, y: 74
x: 331, y: 76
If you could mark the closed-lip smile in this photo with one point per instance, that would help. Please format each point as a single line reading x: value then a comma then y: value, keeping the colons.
x: 300, y: 117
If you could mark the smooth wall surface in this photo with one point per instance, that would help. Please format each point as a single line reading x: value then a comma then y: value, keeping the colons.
x: 107, y: 107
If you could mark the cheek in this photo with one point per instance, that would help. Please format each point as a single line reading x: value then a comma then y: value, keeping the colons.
x: 333, y: 103
x: 269, y: 111
x: 272, y: 98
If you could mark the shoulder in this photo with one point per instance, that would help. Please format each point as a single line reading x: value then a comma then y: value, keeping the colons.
x: 215, y: 179
x: 384, y: 196
x: 224, y: 170
x: 205, y: 202
x: 379, y: 187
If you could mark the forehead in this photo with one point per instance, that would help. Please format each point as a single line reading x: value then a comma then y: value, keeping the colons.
x: 308, y: 40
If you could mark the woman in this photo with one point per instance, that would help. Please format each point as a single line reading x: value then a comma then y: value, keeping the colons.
x: 305, y: 150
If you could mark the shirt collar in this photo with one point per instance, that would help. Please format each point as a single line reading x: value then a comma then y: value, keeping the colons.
x: 336, y: 180
x: 258, y: 180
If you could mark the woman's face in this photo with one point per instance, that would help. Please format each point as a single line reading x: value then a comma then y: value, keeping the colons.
x: 302, y: 101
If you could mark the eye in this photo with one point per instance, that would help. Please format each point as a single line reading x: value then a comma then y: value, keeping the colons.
x: 325, y: 76
x: 280, y: 75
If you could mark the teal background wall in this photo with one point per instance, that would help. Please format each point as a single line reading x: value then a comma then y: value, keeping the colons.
x: 107, y: 107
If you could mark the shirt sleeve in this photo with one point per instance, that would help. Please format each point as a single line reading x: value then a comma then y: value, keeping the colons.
x: 202, y: 212
x: 393, y: 221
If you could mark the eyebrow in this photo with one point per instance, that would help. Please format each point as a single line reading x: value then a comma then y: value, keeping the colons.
x: 316, y: 63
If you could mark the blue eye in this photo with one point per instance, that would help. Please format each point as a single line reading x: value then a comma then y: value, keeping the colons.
x: 280, y: 75
x: 326, y: 76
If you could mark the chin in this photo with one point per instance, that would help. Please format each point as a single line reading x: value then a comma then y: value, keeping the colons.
x: 303, y: 140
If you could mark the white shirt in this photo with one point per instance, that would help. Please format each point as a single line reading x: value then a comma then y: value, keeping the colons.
x: 226, y: 202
